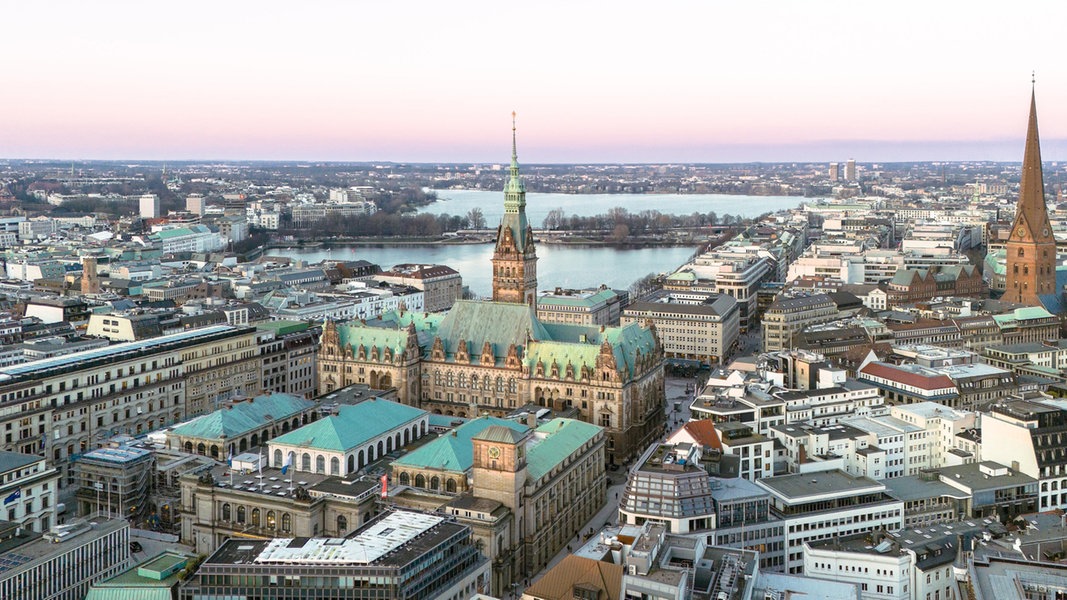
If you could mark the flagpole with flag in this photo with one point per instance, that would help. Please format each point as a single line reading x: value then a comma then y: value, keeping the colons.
x: 12, y: 497
x: 229, y: 461
x: 285, y: 467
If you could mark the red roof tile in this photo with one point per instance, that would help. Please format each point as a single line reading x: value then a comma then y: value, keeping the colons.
x: 925, y: 382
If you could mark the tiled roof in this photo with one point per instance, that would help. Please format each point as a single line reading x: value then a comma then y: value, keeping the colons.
x: 703, y: 431
x: 353, y: 426
x: 932, y: 381
x: 573, y: 571
x: 243, y: 417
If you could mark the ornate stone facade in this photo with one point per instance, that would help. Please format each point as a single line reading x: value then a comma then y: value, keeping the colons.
x: 610, y: 376
x: 515, y: 258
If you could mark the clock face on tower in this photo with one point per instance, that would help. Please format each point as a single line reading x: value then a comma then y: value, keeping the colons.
x: 1021, y: 232
x: 494, y: 452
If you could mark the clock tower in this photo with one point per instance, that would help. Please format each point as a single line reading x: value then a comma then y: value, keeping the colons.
x: 499, y: 473
x: 499, y: 469
x: 1031, y: 259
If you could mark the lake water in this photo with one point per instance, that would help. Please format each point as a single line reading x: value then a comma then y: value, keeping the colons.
x: 459, y: 202
x: 558, y: 266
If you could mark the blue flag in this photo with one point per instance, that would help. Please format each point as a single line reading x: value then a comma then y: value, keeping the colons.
x: 288, y: 462
x: 12, y: 497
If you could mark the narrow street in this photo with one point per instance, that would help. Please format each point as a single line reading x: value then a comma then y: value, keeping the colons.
x: 676, y: 391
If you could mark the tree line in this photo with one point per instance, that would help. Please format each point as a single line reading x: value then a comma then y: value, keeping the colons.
x: 619, y: 221
x: 383, y: 224
x: 636, y: 223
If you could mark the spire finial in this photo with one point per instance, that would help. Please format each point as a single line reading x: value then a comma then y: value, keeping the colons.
x: 1033, y: 81
x: 514, y: 147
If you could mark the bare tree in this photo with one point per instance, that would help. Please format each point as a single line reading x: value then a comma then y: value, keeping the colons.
x: 554, y: 219
x: 475, y: 218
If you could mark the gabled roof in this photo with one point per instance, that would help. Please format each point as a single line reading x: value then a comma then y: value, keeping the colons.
x: 917, y: 377
x: 577, y: 571
x: 243, y: 417
x: 454, y: 451
x: 353, y: 426
x: 703, y: 432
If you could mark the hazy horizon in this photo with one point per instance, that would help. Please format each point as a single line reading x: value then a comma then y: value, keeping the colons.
x: 629, y: 82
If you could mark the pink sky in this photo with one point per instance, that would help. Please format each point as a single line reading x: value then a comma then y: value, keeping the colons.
x: 592, y: 82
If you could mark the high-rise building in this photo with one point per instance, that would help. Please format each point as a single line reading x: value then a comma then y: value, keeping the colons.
x: 850, y: 170
x: 194, y: 203
x: 515, y: 258
x: 1031, y: 266
x: 835, y: 171
x: 149, y: 206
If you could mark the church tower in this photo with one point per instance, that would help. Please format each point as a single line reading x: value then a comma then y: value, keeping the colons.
x: 515, y: 259
x: 1031, y: 248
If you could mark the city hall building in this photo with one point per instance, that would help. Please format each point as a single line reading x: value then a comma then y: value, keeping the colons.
x: 493, y: 357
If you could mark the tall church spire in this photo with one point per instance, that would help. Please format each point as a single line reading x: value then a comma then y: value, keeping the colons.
x: 1031, y: 211
x: 1031, y: 248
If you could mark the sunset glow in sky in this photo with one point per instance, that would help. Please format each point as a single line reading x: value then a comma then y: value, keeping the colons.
x: 591, y: 81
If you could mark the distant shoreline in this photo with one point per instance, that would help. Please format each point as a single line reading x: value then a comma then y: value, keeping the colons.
x: 347, y: 242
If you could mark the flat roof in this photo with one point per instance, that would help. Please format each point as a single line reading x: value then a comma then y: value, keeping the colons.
x: 800, y: 486
x: 914, y: 487
x: 368, y: 546
x: 972, y: 476
x: 17, y: 552
x: 34, y: 368
x: 124, y: 454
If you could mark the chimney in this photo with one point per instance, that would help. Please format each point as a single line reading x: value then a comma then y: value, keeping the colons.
x: 531, y: 420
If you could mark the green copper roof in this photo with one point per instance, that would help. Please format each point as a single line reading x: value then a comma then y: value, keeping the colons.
x: 514, y: 200
x: 353, y: 426
x: 454, y: 451
x: 568, y: 345
x: 244, y: 417
x: 357, y: 334
x: 284, y: 327
x: 1021, y: 314
x: 682, y: 276
x: 502, y: 324
x: 499, y: 323
x: 142, y: 582
x: 560, y: 438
